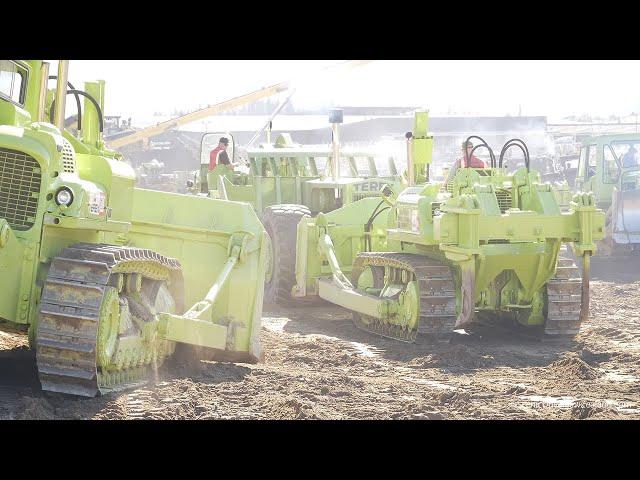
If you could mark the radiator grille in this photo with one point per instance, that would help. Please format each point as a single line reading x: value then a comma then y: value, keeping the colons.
x: 404, y: 218
x: 504, y: 200
x: 408, y: 219
x: 20, y: 176
x: 68, y: 157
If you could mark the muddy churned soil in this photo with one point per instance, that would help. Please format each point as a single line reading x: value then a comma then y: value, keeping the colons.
x: 319, y: 366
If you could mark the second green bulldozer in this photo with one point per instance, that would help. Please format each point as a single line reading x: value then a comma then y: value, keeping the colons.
x: 287, y: 181
x: 609, y: 167
x: 434, y: 259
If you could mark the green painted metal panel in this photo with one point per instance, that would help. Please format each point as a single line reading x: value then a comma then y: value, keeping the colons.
x: 105, y: 207
x: 193, y: 332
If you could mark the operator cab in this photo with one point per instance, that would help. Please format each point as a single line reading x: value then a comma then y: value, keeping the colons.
x: 13, y: 91
x: 469, y: 150
x: 13, y: 82
x: 209, y: 179
x: 209, y: 143
x: 605, y: 162
x: 495, y: 174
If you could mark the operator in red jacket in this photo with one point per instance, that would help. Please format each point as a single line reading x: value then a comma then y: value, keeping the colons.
x: 474, y: 162
x: 219, y: 155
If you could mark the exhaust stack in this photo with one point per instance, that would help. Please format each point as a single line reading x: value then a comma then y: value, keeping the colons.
x: 411, y: 180
x: 61, y: 93
x: 42, y: 100
x: 335, y: 119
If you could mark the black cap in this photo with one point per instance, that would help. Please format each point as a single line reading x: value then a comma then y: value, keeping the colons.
x: 224, y: 140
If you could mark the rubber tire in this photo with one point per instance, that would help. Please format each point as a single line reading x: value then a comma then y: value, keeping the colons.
x: 281, y: 223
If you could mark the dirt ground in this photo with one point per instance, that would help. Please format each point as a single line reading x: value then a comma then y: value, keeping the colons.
x: 319, y: 366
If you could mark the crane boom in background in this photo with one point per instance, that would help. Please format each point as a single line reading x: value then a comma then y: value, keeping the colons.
x: 199, y: 115
x: 219, y: 108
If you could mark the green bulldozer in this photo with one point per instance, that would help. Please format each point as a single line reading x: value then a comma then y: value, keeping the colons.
x: 609, y: 166
x: 108, y: 280
x: 433, y: 259
x: 285, y: 180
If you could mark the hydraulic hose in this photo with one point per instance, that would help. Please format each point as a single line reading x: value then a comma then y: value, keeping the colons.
x: 367, y: 226
x: 520, y: 144
x: 507, y: 147
x: 84, y: 94
x: 467, y: 157
x: 78, y: 104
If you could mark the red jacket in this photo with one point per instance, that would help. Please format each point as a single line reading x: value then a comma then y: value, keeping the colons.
x: 474, y: 162
x: 213, y: 158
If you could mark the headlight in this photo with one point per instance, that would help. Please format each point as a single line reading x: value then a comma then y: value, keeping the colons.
x: 64, y: 196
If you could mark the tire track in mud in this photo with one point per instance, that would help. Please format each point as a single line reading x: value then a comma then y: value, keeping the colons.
x: 408, y: 389
x: 560, y: 373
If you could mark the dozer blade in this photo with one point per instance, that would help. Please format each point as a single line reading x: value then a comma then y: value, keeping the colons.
x: 219, y: 335
x: 222, y: 249
x: 110, y: 314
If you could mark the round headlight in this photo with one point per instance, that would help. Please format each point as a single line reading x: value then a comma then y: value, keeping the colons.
x: 64, y: 196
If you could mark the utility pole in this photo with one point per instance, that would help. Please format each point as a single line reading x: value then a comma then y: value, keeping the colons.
x: 335, y: 119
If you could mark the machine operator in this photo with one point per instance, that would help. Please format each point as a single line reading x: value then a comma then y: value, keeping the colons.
x: 630, y: 159
x: 219, y: 155
x: 474, y: 161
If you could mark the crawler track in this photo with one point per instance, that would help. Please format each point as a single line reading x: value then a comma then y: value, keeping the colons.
x: 564, y: 300
x: 74, y: 296
x: 436, y: 287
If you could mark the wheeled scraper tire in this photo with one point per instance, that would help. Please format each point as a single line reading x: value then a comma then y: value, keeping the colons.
x: 281, y: 222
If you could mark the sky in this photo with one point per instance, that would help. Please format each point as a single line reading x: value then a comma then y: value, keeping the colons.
x: 555, y: 88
